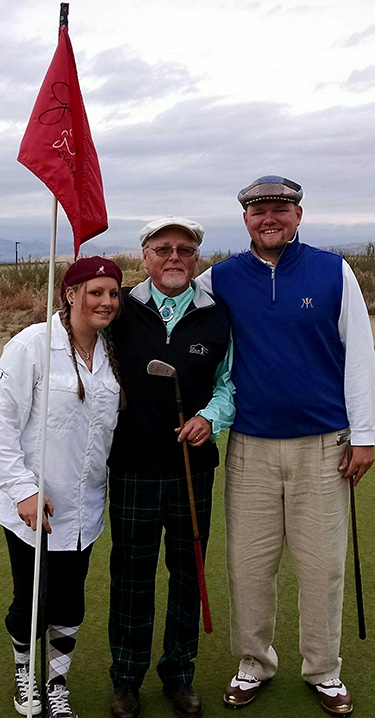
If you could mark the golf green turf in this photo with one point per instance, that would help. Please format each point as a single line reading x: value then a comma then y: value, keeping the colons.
x: 286, y: 696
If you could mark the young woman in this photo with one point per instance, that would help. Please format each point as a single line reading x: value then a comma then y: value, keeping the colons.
x: 84, y: 398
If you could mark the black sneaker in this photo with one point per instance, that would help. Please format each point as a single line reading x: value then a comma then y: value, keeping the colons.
x: 57, y: 702
x: 21, y: 697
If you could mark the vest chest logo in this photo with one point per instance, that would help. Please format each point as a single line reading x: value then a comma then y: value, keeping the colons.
x: 3, y: 374
x: 307, y: 303
x: 198, y: 349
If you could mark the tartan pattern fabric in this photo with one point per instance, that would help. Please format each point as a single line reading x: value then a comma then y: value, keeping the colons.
x: 140, y: 506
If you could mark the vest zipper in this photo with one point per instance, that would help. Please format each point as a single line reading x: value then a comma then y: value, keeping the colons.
x: 273, y: 280
x: 188, y: 311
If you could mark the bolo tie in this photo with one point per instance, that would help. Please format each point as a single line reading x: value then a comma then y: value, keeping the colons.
x: 166, y: 310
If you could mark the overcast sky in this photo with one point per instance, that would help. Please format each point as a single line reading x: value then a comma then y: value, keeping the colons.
x: 191, y: 100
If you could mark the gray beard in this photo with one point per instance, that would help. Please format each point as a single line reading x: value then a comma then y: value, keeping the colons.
x: 174, y: 282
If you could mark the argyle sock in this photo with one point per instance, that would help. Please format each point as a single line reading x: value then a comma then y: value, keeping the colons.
x: 61, y: 644
x: 21, y: 652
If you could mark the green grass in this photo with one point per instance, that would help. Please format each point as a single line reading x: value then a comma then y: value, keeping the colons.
x: 286, y: 696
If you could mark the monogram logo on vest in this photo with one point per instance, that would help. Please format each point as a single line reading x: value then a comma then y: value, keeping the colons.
x: 3, y: 374
x: 198, y: 349
x: 307, y: 303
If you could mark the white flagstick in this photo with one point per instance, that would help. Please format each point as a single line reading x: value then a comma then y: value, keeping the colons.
x: 43, y: 436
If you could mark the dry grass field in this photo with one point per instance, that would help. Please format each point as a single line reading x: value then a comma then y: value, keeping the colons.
x: 23, y: 288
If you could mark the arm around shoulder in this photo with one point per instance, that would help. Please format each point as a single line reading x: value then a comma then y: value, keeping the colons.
x: 204, y: 281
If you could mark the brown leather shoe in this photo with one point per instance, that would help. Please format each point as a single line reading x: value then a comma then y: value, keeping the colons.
x: 242, y: 690
x: 126, y: 703
x: 186, y: 702
x: 334, y: 697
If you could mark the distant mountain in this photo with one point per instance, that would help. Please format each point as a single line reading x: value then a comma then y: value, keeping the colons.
x: 41, y: 250
x: 32, y: 249
x: 355, y: 248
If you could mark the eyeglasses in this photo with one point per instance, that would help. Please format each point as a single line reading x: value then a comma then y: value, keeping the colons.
x: 166, y: 251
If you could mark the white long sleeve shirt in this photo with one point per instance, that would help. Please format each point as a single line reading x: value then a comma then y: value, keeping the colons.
x: 79, y: 435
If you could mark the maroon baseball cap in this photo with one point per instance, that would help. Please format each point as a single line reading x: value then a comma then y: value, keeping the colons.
x: 87, y: 268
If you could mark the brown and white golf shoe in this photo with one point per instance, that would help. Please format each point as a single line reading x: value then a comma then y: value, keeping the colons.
x: 334, y: 697
x: 242, y: 690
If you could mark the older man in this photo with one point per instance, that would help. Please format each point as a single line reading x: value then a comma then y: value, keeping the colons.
x: 167, y: 318
x: 304, y: 374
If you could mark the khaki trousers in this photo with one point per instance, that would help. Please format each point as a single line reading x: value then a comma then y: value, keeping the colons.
x: 286, y: 489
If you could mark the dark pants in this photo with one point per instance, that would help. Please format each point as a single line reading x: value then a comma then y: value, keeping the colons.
x: 140, y: 506
x: 67, y: 571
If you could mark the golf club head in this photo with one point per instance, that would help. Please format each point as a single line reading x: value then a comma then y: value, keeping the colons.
x: 161, y: 368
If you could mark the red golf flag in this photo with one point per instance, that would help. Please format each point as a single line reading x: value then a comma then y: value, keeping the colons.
x: 58, y: 148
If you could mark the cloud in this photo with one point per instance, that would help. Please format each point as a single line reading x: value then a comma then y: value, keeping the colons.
x: 204, y: 149
x: 119, y: 78
x: 292, y: 9
x: 356, y: 38
x: 193, y: 158
x: 20, y: 79
x: 164, y: 146
x: 123, y: 77
x: 361, y: 80
x: 275, y: 10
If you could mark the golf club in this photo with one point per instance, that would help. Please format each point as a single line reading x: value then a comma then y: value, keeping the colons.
x: 160, y: 368
x: 357, y: 568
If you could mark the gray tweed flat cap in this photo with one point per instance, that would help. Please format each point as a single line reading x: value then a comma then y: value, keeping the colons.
x: 271, y: 187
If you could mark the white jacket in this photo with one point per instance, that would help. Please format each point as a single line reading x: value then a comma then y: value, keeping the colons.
x: 79, y: 435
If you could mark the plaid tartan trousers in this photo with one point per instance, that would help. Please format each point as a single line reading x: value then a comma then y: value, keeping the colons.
x: 140, y: 507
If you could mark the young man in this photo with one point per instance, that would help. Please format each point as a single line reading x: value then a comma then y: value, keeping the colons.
x: 304, y: 374
x: 167, y: 318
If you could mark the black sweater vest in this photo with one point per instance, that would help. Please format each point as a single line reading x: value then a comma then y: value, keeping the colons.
x: 145, y: 439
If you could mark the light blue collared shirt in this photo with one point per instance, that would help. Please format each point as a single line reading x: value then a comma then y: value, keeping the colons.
x: 220, y: 410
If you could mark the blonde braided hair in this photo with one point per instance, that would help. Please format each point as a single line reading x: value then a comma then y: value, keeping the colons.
x: 68, y: 327
x: 107, y: 334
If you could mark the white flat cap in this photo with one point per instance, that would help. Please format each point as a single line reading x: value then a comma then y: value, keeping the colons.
x: 196, y: 230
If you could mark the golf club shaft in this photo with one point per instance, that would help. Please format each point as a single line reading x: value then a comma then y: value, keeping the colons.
x: 207, y: 623
x: 357, y: 568
x: 189, y: 482
x: 187, y: 461
x: 160, y: 368
x: 206, y: 615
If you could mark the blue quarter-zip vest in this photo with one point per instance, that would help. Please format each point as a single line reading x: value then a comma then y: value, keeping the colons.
x: 288, y: 357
